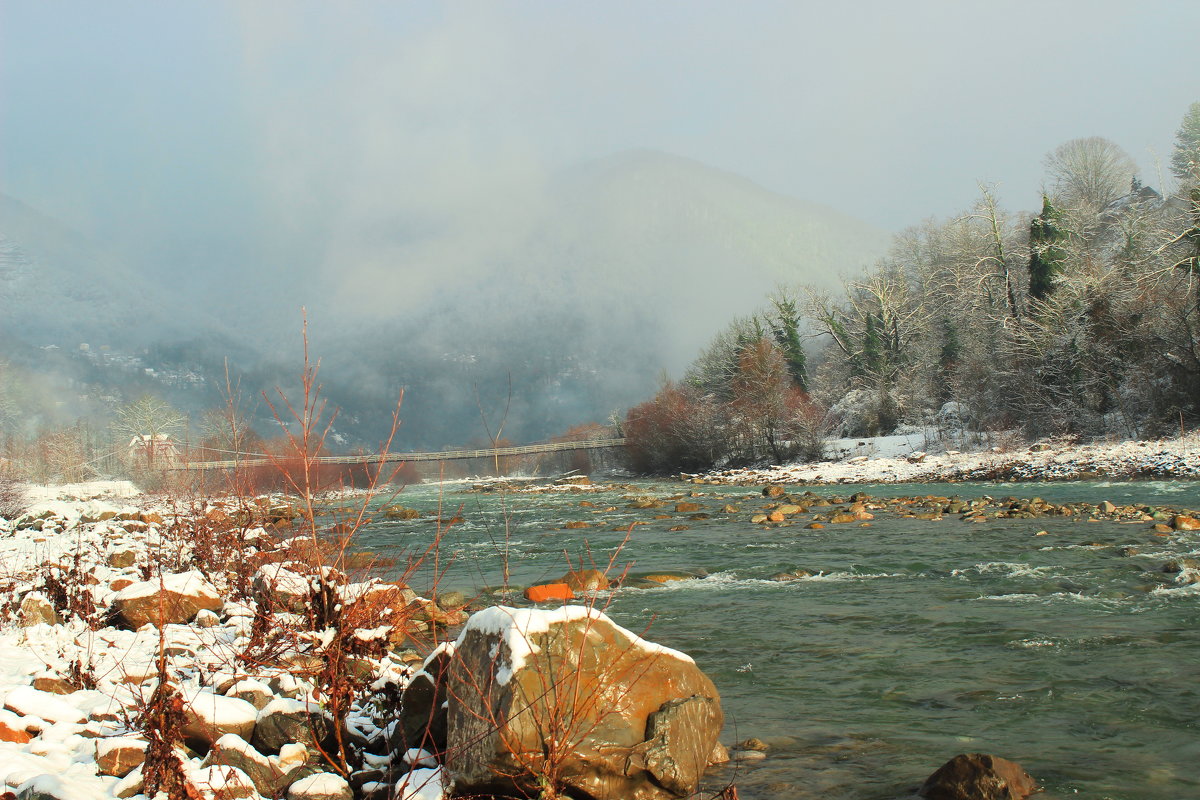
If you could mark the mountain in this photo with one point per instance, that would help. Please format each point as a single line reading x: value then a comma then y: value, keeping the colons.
x: 618, y: 270
x: 581, y: 289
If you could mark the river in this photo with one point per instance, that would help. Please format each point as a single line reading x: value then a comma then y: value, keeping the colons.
x: 1068, y: 652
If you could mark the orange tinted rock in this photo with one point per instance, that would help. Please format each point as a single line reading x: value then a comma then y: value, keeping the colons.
x: 576, y: 525
x: 585, y: 580
x: 688, y: 507
x: 10, y: 734
x: 776, y: 516
x: 548, y: 591
x: 1182, y: 523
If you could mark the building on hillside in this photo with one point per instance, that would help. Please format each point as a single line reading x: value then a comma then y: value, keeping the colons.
x: 157, y: 451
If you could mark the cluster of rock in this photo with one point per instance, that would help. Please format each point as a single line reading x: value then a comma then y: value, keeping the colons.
x: 250, y: 678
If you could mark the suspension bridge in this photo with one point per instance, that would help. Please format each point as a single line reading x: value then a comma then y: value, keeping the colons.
x: 261, y: 459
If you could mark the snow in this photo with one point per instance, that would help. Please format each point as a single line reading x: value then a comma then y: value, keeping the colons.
x: 192, y: 584
x: 902, y: 458
x: 29, y: 702
x: 422, y: 784
x: 323, y: 784
x: 515, y: 626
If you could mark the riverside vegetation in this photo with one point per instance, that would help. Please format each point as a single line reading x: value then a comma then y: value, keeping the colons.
x: 1080, y: 319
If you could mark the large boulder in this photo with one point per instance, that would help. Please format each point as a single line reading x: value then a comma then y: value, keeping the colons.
x: 571, y: 698
x: 173, y: 599
x: 978, y: 776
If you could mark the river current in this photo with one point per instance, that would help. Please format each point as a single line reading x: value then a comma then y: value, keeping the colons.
x: 1070, y: 652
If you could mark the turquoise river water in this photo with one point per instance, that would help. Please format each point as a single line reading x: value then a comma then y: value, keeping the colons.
x: 915, y: 640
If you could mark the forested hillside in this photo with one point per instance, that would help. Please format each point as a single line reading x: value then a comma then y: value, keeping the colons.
x: 1083, y: 319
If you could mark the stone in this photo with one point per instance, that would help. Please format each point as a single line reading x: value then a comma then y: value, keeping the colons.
x: 222, y: 783
x: 688, y: 507
x: 586, y: 580
x: 1182, y: 523
x: 321, y: 786
x: 772, y: 491
x: 10, y: 732
x: 210, y: 716
x: 36, y: 609
x: 206, y: 618
x: 281, y: 589
x: 119, y: 755
x: 842, y: 517
x: 422, y: 718
x: 119, y: 559
x: 978, y: 776
x: 577, y: 525
x: 268, y: 775
x: 788, y: 509
x: 546, y: 592
x: 776, y: 516
x: 175, y: 599
x: 571, y: 698
x: 1106, y: 507
x: 53, y: 684
x: 286, y: 721
x: 449, y: 601
x: 44, y: 787
x: 256, y: 693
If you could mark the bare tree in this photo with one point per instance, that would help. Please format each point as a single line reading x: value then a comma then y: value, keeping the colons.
x: 151, y: 419
x: 1090, y: 172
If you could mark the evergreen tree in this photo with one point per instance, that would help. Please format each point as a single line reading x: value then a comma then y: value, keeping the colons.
x: 786, y: 330
x: 1185, y: 161
x: 1046, y: 253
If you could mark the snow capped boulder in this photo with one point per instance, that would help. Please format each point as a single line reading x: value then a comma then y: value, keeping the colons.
x: 285, y: 721
x: 222, y: 783
x: 269, y: 775
x: 571, y: 697
x: 210, y: 716
x: 174, y: 600
x: 322, y: 786
x: 281, y: 589
x: 256, y: 693
x: 29, y: 702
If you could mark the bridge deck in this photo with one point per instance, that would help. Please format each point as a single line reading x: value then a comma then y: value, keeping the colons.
x: 257, y: 459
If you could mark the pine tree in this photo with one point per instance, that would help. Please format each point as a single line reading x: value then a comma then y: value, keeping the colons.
x: 786, y: 330
x: 1185, y: 161
x: 1046, y: 253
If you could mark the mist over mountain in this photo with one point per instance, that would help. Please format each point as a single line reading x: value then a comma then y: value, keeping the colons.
x: 580, y: 289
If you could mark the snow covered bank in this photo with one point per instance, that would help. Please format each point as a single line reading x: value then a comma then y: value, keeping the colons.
x: 904, y: 463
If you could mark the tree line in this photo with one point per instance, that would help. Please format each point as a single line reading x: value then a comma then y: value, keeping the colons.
x: 1082, y: 319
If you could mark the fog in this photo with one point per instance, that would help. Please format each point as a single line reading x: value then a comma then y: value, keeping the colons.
x: 392, y: 162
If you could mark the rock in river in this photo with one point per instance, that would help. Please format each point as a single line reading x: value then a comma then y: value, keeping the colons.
x: 568, y: 696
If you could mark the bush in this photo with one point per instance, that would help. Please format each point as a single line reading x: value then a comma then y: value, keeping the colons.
x: 12, y: 498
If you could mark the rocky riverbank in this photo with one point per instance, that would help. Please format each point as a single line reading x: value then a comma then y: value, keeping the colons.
x: 1042, y: 461
x: 202, y: 649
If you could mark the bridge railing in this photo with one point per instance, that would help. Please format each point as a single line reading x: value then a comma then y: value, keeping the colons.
x: 256, y: 459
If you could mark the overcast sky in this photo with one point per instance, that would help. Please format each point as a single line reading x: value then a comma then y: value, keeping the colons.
x: 246, y: 126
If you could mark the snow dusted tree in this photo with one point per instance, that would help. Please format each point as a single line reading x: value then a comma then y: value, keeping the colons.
x: 1047, y: 258
x: 152, y: 420
x: 713, y: 371
x: 1090, y: 173
x: 1185, y: 159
